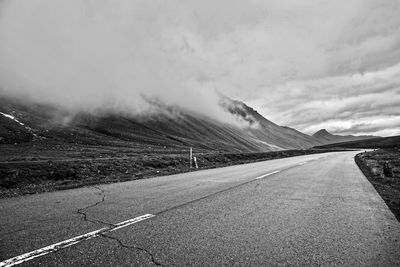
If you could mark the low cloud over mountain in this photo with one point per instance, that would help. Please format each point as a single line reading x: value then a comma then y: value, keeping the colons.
x: 309, y: 65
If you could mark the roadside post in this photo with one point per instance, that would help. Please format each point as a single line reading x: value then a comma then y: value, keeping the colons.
x: 190, y: 157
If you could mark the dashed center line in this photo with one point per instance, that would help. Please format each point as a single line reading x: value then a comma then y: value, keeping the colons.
x: 67, y: 243
x: 75, y: 240
x: 268, y: 174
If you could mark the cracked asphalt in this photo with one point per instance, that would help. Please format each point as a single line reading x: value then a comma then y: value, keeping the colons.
x: 321, y: 213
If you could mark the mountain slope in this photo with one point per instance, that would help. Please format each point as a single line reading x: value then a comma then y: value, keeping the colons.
x: 326, y: 137
x: 263, y: 130
x: 167, y: 127
x: 373, y: 143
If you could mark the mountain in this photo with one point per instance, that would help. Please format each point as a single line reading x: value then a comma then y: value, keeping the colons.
x: 265, y: 132
x: 373, y: 143
x: 326, y: 137
x: 166, y: 126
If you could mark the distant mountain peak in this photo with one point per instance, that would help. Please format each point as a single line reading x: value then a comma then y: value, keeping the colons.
x: 322, y: 132
x: 326, y: 137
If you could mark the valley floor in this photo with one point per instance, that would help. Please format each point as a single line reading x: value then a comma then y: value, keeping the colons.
x: 43, y: 166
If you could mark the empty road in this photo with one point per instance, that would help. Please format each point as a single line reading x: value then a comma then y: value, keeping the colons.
x: 314, y: 210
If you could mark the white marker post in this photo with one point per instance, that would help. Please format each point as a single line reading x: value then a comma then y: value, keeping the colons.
x: 195, y: 162
x: 190, y: 157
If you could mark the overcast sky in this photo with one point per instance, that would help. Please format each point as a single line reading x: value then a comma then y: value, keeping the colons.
x: 305, y: 64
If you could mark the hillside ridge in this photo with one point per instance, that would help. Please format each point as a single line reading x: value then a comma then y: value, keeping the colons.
x: 166, y: 126
x: 325, y: 137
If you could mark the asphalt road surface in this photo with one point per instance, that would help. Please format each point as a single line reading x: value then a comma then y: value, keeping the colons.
x: 314, y: 210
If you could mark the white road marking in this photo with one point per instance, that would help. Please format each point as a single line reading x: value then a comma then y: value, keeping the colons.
x: 67, y: 243
x: 268, y: 174
x: 302, y: 163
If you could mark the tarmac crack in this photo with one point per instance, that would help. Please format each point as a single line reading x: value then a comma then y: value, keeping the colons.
x: 82, y: 212
x: 134, y: 248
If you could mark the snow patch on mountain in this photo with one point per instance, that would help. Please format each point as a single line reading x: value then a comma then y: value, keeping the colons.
x: 12, y: 118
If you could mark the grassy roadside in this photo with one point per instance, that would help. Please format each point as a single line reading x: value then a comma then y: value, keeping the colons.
x: 382, y: 168
x: 36, y: 176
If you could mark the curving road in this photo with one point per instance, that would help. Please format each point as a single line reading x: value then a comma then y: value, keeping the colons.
x: 314, y: 210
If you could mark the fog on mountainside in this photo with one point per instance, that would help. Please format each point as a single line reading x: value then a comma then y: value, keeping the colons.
x: 83, y: 57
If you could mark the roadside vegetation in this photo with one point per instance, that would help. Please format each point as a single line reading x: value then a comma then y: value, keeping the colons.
x: 38, y: 169
x: 382, y: 168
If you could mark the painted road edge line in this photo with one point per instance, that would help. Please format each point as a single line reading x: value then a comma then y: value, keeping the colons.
x: 72, y: 241
x: 268, y: 174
